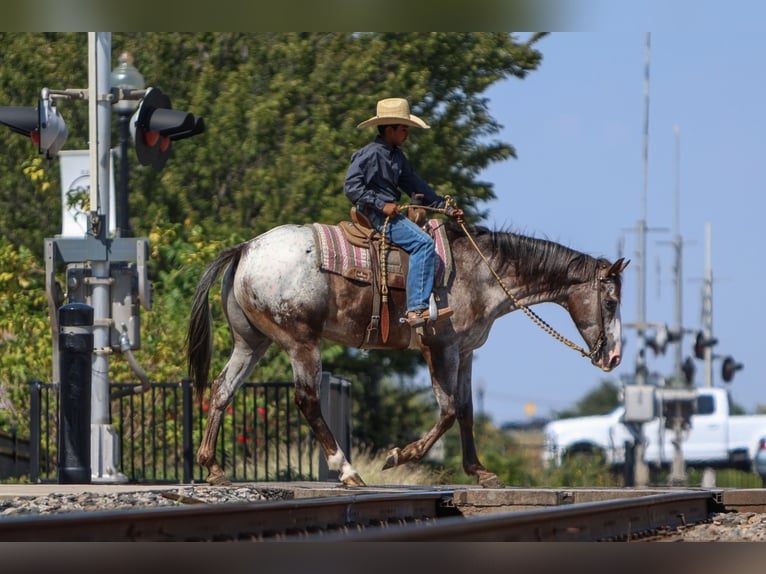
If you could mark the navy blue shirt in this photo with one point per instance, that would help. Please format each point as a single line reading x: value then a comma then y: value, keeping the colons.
x: 378, y: 172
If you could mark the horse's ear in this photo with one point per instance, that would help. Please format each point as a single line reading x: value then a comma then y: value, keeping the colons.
x: 617, y: 267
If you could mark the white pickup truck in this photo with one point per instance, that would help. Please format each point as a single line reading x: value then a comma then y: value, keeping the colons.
x: 716, y: 438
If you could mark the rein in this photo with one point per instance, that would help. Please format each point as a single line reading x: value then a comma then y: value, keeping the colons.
x: 527, y: 311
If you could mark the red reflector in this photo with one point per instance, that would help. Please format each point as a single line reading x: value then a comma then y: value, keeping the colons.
x: 164, y: 143
x: 150, y: 138
x: 35, y: 135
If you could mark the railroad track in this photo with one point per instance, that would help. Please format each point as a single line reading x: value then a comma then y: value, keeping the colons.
x: 410, y: 516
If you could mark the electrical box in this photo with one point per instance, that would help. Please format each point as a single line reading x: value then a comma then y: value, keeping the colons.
x: 124, y: 296
x: 640, y: 403
x: 678, y: 405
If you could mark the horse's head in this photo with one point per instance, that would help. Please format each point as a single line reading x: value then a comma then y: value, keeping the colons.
x: 595, y: 308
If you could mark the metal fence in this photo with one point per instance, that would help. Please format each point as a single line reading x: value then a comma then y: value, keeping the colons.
x: 14, y: 455
x: 263, y: 437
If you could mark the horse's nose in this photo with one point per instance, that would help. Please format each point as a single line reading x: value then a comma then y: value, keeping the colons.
x: 614, y: 361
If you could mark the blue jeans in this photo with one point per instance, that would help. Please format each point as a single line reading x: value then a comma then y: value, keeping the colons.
x: 420, y: 248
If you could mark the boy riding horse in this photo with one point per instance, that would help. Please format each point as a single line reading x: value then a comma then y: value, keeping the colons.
x: 373, y: 182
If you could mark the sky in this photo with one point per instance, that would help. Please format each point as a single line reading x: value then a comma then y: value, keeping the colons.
x: 577, y: 124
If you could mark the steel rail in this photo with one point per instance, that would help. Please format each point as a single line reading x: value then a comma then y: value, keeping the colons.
x: 280, y: 520
x: 409, y: 516
x: 613, y: 520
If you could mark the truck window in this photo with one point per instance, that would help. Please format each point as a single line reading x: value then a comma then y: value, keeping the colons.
x: 705, y: 405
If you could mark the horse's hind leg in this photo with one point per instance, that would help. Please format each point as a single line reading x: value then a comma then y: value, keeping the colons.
x: 239, y: 366
x: 249, y: 345
x: 307, y: 371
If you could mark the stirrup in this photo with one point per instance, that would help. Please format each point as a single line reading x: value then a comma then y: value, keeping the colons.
x: 415, y: 318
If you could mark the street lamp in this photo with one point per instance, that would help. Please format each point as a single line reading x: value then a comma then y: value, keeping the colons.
x: 127, y: 77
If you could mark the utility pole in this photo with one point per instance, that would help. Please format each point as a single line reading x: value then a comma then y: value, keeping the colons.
x: 640, y: 470
x: 678, y: 410
x: 678, y: 246
x: 707, y: 306
x: 642, y: 230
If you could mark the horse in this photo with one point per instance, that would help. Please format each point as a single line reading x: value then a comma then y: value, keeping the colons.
x: 274, y: 291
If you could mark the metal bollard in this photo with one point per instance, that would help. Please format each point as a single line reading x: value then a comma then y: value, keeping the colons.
x: 75, y: 366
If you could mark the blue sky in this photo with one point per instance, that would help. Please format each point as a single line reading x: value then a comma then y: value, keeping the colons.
x: 577, y: 125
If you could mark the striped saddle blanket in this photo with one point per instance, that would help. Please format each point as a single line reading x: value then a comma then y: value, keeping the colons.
x: 337, y: 255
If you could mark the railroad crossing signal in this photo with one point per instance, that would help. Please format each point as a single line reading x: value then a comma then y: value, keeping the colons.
x: 43, y: 124
x: 701, y: 343
x: 155, y: 125
x: 729, y: 367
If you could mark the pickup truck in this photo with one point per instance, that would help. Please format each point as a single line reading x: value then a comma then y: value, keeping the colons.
x: 715, y: 437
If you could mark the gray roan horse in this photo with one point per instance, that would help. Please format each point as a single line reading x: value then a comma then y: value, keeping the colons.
x: 273, y: 290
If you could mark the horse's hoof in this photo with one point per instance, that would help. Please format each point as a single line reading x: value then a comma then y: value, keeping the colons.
x: 491, y: 481
x: 218, y: 480
x: 392, y: 459
x: 353, y: 480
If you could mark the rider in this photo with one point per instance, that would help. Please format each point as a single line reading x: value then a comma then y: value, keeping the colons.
x: 377, y: 173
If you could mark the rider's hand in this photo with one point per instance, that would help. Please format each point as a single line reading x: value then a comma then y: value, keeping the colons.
x: 391, y: 209
x: 456, y: 214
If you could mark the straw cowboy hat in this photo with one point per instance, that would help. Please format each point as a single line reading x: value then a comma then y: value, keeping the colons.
x: 394, y: 111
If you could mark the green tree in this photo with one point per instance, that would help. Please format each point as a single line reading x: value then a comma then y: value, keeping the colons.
x: 280, y: 111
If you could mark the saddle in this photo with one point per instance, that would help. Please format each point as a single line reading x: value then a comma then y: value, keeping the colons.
x: 355, y: 250
x: 388, y: 268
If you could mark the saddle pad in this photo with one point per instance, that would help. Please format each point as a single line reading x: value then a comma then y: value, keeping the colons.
x: 337, y: 255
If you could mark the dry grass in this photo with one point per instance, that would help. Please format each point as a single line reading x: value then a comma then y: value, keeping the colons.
x: 370, y: 468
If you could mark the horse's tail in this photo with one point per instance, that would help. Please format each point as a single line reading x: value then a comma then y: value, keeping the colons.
x: 199, y: 339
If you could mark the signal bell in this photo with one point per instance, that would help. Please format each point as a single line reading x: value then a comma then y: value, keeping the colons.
x: 155, y: 125
x: 53, y: 130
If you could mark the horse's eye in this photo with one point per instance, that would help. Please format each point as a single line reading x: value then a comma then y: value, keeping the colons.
x: 610, y: 305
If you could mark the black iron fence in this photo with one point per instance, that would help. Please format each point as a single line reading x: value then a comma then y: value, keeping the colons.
x: 263, y: 437
x: 14, y: 455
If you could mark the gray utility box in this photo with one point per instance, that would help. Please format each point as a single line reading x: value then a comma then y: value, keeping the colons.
x: 123, y: 293
x: 640, y: 403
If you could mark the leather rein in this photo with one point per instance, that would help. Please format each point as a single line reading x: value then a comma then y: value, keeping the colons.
x: 600, y: 342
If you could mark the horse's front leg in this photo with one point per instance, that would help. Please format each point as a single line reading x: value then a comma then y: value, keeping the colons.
x: 471, y: 464
x: 442, y: 364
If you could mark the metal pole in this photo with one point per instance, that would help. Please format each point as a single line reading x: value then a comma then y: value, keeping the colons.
x: 123, y: 216
x: 188, y: 422
x: 35, y: 430
x: 640, y: 469
x: 678, y: 271
x: 707, y: 305
x: 103, y: 437
x: 76, y: 348
x: 642, y: 227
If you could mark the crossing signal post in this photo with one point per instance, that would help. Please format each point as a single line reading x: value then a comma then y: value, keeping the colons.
x: 155, y: 125
x: 105, y: 263
x: 688, y: 369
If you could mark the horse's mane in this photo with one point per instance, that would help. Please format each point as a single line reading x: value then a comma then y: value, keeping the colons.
x: 532, y: 258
